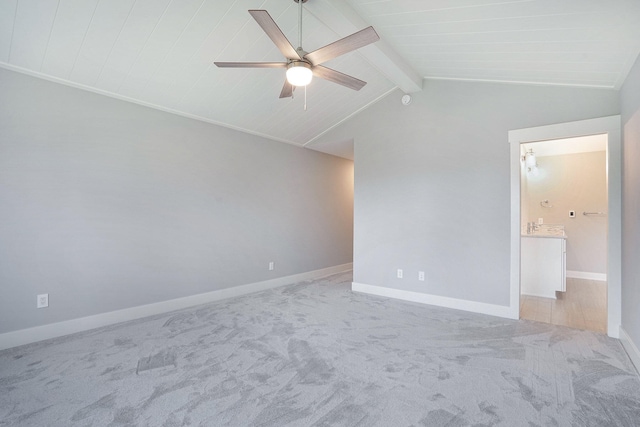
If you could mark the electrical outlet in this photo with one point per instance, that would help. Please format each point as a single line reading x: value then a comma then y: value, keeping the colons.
x: 540, y: 221
x: 272, y: 265
x: 421, y: 276
x: 42, y: 301
x: 400, y: 273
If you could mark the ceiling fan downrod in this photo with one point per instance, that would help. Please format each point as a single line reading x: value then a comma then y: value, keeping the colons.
x: 300, y: 50
x: 300, y: 23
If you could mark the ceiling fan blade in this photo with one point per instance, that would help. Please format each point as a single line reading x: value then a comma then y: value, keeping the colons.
x: 342, y: 46
x: 338, y: 77
x: 287, y: 90
x: 276, y: 35
x: 251, y: 64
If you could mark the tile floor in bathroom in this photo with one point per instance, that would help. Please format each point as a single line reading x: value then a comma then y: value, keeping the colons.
x: 583, y: 306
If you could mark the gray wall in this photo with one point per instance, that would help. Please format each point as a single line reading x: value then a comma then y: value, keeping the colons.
x: 107, y: 205
x: 572, y: 182
x: 432, y: 182
x: 630, y: 106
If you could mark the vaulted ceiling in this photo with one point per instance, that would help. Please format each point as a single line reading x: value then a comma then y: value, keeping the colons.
x: 160, y: 53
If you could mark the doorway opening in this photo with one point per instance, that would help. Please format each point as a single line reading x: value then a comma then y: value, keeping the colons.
x: 563, y: 207
x: 611, y: 127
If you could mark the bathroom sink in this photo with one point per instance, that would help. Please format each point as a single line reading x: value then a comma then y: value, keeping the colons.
x: 546, y: 230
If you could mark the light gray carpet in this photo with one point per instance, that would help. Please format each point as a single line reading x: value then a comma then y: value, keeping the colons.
x: 316, y: 354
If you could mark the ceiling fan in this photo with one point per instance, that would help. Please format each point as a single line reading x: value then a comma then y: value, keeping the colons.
x: 302, y: 66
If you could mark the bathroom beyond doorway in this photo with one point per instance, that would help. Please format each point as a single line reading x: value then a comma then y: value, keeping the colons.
x: 569, y: 190
x: 611, y: 126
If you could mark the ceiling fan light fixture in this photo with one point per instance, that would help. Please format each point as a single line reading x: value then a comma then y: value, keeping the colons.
x: 299, y: 73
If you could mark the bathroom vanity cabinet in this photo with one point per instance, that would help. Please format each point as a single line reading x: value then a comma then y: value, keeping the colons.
x: 543, y: 265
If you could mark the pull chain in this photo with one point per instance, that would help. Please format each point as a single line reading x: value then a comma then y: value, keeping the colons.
x: 305, y: 98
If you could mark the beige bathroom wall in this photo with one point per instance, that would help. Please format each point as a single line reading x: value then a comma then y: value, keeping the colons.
x: 575, y: 182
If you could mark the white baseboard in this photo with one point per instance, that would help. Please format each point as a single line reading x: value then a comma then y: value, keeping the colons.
x: 540, y: 295
x: 631, y: 348
x: 586, y: 275
x: 458, y: 304
x: 53, y: 330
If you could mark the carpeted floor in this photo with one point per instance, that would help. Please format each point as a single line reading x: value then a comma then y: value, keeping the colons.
x: 316, y: 354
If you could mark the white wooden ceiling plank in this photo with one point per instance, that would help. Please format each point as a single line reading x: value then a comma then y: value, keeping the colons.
x: 159, y: 45
x: 260, y: 87
x: 425, y: 59
x: 140, y: 25
x: 242, y: 95
x: 598, y: 84
x: 564, y: 67
x: 344, y: 20
x: 315, y: 34
x: 7, y: 19
x: 259, y: 98
x: 68, y: 32
x: 508, y: 47
x: 208, y: 34
x: 553, y: 77
x: 492, y: 13
x: 107, y: 23
x: 248, y: 44
x: 401, y: 12
x: 405, y: 7
x: 525, y: 36
x: 580, y: 20
x: 566, y: 74
x: 254, y: 93
x: 32, y: 28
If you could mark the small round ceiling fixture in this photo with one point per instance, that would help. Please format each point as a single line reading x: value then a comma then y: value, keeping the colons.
x: 299, y: 73
x: 406, y: 99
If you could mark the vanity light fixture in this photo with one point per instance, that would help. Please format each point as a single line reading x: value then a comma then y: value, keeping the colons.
x: 530, y: 161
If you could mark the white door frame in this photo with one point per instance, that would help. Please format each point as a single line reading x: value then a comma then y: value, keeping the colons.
x: 604, y: 125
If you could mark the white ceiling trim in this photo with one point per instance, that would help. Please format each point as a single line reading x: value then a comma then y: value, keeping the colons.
x: 343, y: 20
